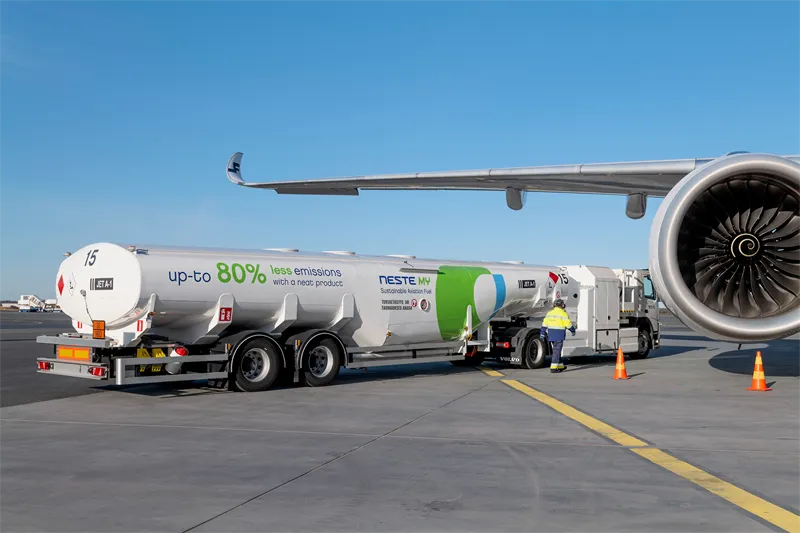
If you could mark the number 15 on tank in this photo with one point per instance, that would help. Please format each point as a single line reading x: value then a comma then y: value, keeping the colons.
x: 91, y: 257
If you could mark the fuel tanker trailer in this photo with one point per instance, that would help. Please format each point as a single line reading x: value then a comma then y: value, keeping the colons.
x: 146, y: 314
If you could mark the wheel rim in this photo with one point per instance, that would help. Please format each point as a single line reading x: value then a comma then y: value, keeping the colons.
x: 320, y: 361
x: 642, y: 341
x: 533, y: 352
x: 255, y: 364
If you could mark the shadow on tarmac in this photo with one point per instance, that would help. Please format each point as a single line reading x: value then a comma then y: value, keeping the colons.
x: 345, y: 377
x: 611, y: 359
x: 780, y: 358
x: 388, y: 373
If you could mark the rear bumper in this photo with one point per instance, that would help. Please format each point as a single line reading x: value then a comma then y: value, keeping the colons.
x: 75, y: 369
x: 77, y: 356
x: 125, y: 369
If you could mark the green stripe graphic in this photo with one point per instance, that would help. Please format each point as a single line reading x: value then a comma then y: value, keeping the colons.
x: 455, y: 290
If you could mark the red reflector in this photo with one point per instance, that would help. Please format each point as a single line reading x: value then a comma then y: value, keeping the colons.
x: 97, y: 371
x: 44, y: 365
x: 180, y: 350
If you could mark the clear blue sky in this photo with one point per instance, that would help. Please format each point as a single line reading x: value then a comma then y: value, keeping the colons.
x: 118, y: 119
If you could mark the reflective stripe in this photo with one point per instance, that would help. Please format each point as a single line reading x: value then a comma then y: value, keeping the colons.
x: 557, y: 319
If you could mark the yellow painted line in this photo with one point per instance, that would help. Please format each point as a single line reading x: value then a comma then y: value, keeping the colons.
x: 592, y: 423
x: 490, y: 372
x: 778, y: 516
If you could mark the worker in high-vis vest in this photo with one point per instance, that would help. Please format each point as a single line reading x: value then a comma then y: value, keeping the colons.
x: 555, y: 325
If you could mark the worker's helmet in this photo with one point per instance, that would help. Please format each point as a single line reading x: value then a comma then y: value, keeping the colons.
x: 559, y: 303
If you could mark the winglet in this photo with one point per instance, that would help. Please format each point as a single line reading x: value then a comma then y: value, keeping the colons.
x: 234, y: 169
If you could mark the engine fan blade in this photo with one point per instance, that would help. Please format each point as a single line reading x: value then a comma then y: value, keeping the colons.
x: 757, y: 190
x: 712, y: 207
x: 788, y: 231
x: 729, y: 300
x: 786, y: 257
x: 764, y: 302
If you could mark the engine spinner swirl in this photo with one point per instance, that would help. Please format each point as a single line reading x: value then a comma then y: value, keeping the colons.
x: 745, y: 246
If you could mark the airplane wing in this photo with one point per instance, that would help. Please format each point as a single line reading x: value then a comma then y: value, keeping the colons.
x: 636, y: 179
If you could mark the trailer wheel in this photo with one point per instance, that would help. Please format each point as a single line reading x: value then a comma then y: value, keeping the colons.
x: 322, y: 362
x: 533, y: 352
x: 257, y: 368
x: 643, y: 345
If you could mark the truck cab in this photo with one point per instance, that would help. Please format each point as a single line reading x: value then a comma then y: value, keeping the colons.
x: 639, y: 308
x: 610, y: 309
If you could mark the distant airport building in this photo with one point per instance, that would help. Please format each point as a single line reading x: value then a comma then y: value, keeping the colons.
x: 30, y: 303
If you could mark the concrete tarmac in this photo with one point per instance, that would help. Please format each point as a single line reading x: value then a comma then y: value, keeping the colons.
x: 681, y: 446
x: 19, y: 382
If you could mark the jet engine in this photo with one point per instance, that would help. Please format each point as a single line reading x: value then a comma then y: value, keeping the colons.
x: 725, y: 248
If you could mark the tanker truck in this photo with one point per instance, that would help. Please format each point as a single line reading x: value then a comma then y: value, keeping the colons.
x: 241, y: 318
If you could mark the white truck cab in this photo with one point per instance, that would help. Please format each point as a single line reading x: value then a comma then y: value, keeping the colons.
x: 610, y: 309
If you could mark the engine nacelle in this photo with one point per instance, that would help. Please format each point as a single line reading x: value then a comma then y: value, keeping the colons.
x: 725, y: 248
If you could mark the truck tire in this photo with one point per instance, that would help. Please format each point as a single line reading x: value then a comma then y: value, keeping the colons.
x: 533, y: 352
x: 644, y: 345
x: 258, y: 366
x: 322, y: 361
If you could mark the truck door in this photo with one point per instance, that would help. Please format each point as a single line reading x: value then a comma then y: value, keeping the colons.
x: 606, y: 307
x: 651, y: 305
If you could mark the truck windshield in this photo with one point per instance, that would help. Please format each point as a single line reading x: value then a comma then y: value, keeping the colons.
x: 649, y: 292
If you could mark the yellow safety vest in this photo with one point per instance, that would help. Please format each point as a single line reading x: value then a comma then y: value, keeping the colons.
x: 557, y: 318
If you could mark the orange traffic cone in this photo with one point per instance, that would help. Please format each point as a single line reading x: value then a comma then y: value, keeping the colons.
x: 759, y: 382
x: 620, y: 372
